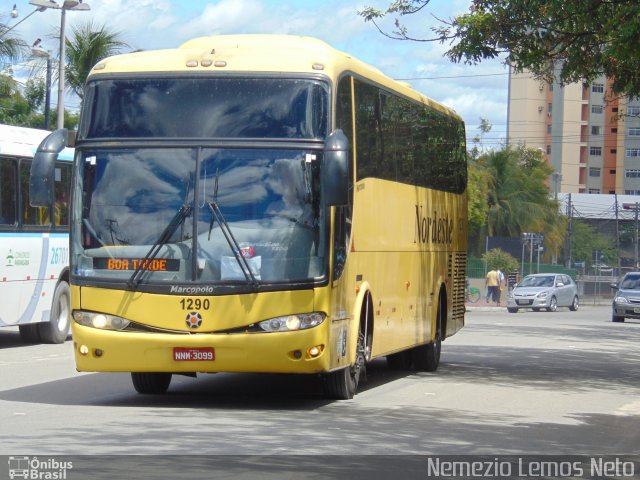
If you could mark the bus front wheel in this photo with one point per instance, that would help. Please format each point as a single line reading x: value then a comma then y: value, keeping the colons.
x: 342, y: 384
x: 151, y: 383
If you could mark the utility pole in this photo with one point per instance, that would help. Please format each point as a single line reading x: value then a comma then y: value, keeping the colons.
x: 531, y: 254
x: 617, y: 233
x: 634, y: 207
x: 570, y: 231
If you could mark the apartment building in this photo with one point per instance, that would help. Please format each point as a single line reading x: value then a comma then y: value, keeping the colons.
x: 590, y: 137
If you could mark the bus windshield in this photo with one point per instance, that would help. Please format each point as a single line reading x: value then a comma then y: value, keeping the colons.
x: 151, y: 210
x: 206, y: 107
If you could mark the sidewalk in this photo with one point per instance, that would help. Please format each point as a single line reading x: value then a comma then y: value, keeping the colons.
x: 482, y: 306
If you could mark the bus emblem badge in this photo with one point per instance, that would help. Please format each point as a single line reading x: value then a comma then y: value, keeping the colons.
x: 194, y: 320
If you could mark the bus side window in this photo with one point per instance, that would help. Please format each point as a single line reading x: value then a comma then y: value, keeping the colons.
x: 31, y: 216
x: 8, y: 190
x: 62, y: 188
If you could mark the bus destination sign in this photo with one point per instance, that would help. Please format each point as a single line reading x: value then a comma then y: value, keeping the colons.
x: 155, y: 265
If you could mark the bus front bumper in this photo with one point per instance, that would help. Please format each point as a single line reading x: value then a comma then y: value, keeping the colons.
x: 302, y: 351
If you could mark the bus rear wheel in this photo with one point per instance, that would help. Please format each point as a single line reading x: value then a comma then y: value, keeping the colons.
x: 56, y: 329
x: 426, y: 358
x: 151, y: 383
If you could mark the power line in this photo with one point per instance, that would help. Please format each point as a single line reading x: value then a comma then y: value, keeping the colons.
x: 453, y: 76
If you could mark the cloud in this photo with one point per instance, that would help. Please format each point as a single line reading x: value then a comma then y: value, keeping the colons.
x: 226, y: 16
x: 157, y: 24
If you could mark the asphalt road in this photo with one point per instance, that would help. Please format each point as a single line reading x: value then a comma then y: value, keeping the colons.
x: 528, y: 383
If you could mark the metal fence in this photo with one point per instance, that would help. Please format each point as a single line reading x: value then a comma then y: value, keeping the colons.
x: 592, y: 289
x: 476, y: 268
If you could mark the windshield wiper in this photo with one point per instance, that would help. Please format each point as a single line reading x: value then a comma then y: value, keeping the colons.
x: 233, y: 243
x: 165, y: 236
x: 216, y: 214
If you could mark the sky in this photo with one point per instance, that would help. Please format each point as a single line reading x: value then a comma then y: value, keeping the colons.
x: 475, y: 92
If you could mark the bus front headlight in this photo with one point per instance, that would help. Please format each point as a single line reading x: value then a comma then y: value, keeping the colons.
x: 292, y: 322
x: 100, y: 320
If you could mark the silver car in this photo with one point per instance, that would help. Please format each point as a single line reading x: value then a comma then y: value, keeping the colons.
x: 544, y: 290
x: 626, y: 301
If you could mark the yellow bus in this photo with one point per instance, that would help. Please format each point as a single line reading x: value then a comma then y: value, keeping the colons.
x: 259, y: 203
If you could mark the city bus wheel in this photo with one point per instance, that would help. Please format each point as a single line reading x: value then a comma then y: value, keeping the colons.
x: 56, y: 329
x: 342, y: 384
x: 151, y: 383
x: 29, y: 333
x: 426, y: 358
x: 400, y: 360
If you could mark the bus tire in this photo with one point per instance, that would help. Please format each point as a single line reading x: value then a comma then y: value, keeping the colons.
x: 342, y: 384
x: 29, y: 333
x: 151, y: 383
x: 426, y: 358
x: 56, y: 330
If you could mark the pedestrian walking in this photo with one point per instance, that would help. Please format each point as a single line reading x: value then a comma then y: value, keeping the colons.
x: 492, y: 283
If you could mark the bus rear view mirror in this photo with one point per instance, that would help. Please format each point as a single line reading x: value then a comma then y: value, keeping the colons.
x: 41, y: 180
x: 335, y: 169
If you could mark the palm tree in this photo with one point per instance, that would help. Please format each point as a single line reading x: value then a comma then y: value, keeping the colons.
x: 87, y: 46
x: 518, y: 197
x: 11, y: 50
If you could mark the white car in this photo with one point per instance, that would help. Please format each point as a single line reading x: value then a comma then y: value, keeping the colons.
x: 544, y: 290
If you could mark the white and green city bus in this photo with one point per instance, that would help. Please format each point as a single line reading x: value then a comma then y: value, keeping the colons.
x: 34, y: 244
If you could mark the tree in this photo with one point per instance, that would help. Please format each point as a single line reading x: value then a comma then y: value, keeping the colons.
x: 484, y: 127
x: 477, y: 194
x: 11, y: 48
x: 498, y: 258
x: 568, y: 40
x: 585, y: 240
x: 87, y: 46
x: 517, y: 197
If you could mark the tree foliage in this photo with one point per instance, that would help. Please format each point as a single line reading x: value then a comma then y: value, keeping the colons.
x: 563, y: 40
x: 87, y: 46
x: 585, y: 240
x: 498, y: 258
x: 22, y: 106
x: 516, y: 197
x: 11, y: 47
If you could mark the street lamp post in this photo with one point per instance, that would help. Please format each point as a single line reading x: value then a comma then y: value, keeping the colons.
x: 41, y: 52
x: 14, y: 14
x: 66, y: 5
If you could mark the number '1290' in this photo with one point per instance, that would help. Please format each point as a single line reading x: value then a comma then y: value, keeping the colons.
x: 195, y: 304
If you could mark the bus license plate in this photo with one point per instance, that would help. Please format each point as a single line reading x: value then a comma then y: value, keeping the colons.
x: 193, y: 354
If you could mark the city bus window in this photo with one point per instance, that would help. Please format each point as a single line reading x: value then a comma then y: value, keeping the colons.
x: 62, y: 186
x: 8, y: 192
x: 31, y: 216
